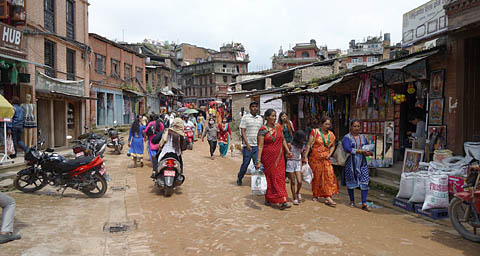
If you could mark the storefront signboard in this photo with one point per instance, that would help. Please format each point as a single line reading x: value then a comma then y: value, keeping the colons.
x: 11, y: 37
x: 424, y: 22
x: 47, y: 84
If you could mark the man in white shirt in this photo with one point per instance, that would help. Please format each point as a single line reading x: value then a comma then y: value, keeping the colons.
x: 249, y: 126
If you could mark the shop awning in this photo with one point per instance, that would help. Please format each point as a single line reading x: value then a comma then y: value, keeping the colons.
x: 22, y: 60
x: 133, y: 92
x: 67, y: 88
x: 167, y: 92
x: 324, y: 87
x: 406, y: 62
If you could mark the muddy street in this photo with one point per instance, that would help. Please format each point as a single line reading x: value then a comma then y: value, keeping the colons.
x: 210, y: 215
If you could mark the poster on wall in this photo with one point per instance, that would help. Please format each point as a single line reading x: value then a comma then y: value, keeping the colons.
x: 437, y: 82
x: 274, y: 104
x: 435, y: 116
x: 437, y: 135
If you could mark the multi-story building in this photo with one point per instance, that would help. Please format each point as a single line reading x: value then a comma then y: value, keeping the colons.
x: 209, y: 80
x: 56, y: 39
x: 369, y: 52
x: 117, y: 76
x: 302, y: 54
x: 161, y: 75
x: 188, y: 54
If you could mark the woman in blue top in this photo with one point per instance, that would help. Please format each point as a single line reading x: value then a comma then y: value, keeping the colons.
x: 355, y: 174
x: 135, y: 142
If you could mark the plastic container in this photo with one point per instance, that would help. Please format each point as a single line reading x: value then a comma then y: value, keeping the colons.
x: 441, y: 154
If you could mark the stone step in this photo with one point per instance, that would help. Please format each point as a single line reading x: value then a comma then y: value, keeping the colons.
x: 7, y: 175
x: 387, y: 185
x: 388, y: 173
x: 6, y: 185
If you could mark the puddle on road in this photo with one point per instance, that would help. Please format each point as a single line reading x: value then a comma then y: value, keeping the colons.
x: 321, y: 238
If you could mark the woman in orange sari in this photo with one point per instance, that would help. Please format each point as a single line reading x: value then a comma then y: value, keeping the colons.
x: 271, y: 144
x: 322, y: 143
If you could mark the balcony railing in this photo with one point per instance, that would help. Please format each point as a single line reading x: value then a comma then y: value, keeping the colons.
x: 353, y: 52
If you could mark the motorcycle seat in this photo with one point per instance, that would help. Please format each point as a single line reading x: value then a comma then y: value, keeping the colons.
x: 71, y: 164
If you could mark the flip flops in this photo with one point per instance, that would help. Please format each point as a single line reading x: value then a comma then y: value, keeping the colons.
x: 8, y: 238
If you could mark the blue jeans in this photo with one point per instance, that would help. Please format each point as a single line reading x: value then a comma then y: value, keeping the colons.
x: 17, y: 139
x: 247, y: 156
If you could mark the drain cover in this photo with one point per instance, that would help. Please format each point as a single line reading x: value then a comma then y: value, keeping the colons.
x: 120, y: 188
x: 116, y: 227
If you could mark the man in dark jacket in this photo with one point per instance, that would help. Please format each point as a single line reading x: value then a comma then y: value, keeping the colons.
x: 15, y: 128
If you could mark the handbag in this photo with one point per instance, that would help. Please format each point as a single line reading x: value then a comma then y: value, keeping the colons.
x: 10, y: 146
x: 340, y: 155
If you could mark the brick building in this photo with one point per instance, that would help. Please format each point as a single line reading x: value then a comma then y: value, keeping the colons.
x: 117, y: 76
x: 188, y: 54
x: 301, y: 54
x: 209, y: 80
x: 369, y: 52
x: 56, y: 35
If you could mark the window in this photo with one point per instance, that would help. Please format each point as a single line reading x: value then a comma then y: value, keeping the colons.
x: 211, y: 91
x: 357, y: 60
x: 115, y: 69
x: 99, y: 64
x: 159, y: 78
x: 70, y: 19
x: 49, y: 15
x: 3, y: 9
x: 165, y: 78
x: 128, y: 71
x: 201, y: 92
x: 70, y: 64
x: 225, y: 79
x: 139, y: 75
x: 50, y: 58
x: 305, y: 54
x: 211, y: 79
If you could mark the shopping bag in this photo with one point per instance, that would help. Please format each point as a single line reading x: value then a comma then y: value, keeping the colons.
x: 307, y: 174
x: 258, y: 183
x: 340, y: 156
x: 10, y: 146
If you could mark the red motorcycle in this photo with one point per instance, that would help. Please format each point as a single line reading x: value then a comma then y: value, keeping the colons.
x: 189, y: 137
x: 86, y: 173
x: 464, y: 209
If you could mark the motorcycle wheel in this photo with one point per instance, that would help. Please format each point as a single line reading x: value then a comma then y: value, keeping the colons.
x: 190, y: 146
x: 93, y: 190
x: 456, y: 211
x: 168, y: 191
x: 31, y: 182
x: 119, y: 149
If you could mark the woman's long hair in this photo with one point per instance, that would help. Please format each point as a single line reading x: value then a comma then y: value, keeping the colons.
x: 136, y: 126
x: 289, y: 124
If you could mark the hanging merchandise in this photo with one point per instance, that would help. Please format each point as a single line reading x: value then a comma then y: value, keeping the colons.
x: 359, y: 93
x: 399, y: 98
x: 366, y: 90
x: 411, y: 89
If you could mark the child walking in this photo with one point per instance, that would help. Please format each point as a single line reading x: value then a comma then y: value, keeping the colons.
x: 294, y: 165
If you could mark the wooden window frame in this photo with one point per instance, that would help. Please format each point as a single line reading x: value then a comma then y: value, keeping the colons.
x: 71, y: 75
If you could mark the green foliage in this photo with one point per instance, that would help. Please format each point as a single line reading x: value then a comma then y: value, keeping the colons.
x: 149, y: 88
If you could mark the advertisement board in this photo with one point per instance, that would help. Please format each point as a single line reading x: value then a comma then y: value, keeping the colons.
x: 424, y: 22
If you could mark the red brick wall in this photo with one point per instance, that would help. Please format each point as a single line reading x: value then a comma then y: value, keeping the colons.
x: 298, y: 53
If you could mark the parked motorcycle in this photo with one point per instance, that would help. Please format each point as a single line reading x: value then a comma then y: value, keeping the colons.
x: 189, y: 137
x: 464, y: 208
x: 169, y: 175
x: 86, y: 174
x: 91, y: 144
x: 116, y: 142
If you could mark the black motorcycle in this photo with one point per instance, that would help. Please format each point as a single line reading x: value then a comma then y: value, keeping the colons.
x: 90, y: 144
x: 86, y: 174
x: 116, y: 142
x: 169, y: 175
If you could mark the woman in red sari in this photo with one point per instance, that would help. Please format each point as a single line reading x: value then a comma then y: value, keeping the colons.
x: 270, y: 153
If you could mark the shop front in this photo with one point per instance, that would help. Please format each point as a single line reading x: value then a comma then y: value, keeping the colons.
x: 385, y: 98
x: 60, y: 108
x: 109, y: 106
x: 133, y: 105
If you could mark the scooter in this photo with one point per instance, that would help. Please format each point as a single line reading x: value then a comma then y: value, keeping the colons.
x: 169, y: 175
x: 464, y: 208
x: 189, y: 137
x: 116, y: 142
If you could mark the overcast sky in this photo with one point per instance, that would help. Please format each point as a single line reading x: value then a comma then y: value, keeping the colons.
x: 262, y: 26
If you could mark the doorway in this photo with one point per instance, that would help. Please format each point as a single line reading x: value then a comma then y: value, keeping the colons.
x: 472, y: 90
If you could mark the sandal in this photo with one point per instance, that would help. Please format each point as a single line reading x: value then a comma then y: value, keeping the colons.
x: 299, y: 196
x: 315, y: 199
x: 284, y: 206
x: 352, y: 204
x: 365, y: 208
x: 295, y: 202
x: 330, y: 204
x: 267, y: 203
